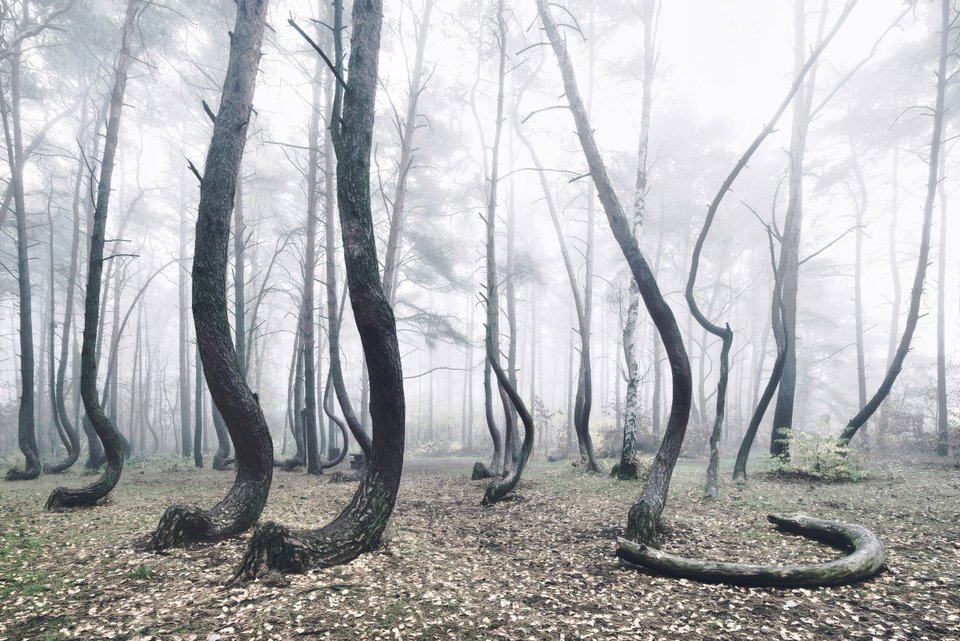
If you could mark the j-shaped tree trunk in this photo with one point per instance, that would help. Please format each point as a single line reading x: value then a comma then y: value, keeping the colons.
x: 626, y: 469
x: 916, y: 294
x: 358, y: 528
x: 576, y: 409
x: 239, y: 407
x: 106, y: 431
x: 725, y: 334
x: 492, y: 293
x: 13, y: 135
x: 60, y: 407
x: 644, y: 517
x: 499, y: 489
x: 294, y: 402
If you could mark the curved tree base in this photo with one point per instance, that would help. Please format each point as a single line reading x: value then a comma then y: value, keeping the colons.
x: 865, y: 559
x: 181, y: 525
x: 628, y: 472
x: 15, y: 474
x: 222, y: 464
x: 64, y: 498
x: 274, y: 547
x: 62, y: 466
x: 481, y: 471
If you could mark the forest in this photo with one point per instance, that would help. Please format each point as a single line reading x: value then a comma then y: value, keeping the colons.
x: 479, y: 319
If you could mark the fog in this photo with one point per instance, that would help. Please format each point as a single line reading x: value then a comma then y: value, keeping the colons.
x: 721, y: 71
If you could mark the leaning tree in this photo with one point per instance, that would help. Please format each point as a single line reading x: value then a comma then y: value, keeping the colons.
x: 113, y: 442
x: 239, y: 407
x: 358, y: 527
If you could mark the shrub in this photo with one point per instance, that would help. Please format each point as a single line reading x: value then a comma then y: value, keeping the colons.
x: 818, y: 457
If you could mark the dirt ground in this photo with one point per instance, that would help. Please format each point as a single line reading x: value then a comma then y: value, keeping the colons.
x: 540, y: 566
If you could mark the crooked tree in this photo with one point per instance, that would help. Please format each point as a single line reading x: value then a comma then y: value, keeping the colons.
x: 238, y: 406
x: 113, y: 442
x: 644, y: 516
x: 358, y: 527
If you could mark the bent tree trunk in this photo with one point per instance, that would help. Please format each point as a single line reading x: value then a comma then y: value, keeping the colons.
x: 113, y: 443
x: 499, y: 489
x: 183, y: 524
x: 913, y: 313
x: 725, y: 334
x: 60, y: 406
x: 644, y: 517
x: 26, y: 428
x: 328, y: 410
x: 358, y: 528
x: 865, y: 559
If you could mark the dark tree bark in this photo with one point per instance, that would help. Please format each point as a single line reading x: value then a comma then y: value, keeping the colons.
x: 13, y: 134
x: 184, y: 524
x: 913, y: 313
x: 60, y: 407
x: 358, y: 528
x: 294, y: 397
x: 776, y: 315
x: 645, y: 514
x: 790, y: 253
x: 113, y: 443
x: 499, y: 489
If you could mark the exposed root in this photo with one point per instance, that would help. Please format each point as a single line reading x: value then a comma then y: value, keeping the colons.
x: 865, y: 559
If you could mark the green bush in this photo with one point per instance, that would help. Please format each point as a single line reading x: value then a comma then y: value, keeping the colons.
x: 818, y: 457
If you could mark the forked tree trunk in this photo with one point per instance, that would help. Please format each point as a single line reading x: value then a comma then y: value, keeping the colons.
x: 184, y: 524
x: 107, y: 432
x: 916, y: 294
x: 358, y: 528
x: 644, y: 517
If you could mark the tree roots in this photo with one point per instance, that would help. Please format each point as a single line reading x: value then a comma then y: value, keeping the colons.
x: 865, y: 558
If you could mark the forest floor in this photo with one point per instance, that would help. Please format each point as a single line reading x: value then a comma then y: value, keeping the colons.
x: 539, y: 566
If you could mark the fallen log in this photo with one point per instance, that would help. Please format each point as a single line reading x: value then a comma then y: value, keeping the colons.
x: 866, y: 556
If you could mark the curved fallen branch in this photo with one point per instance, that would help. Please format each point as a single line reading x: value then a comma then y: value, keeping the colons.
x: 865, y: 559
